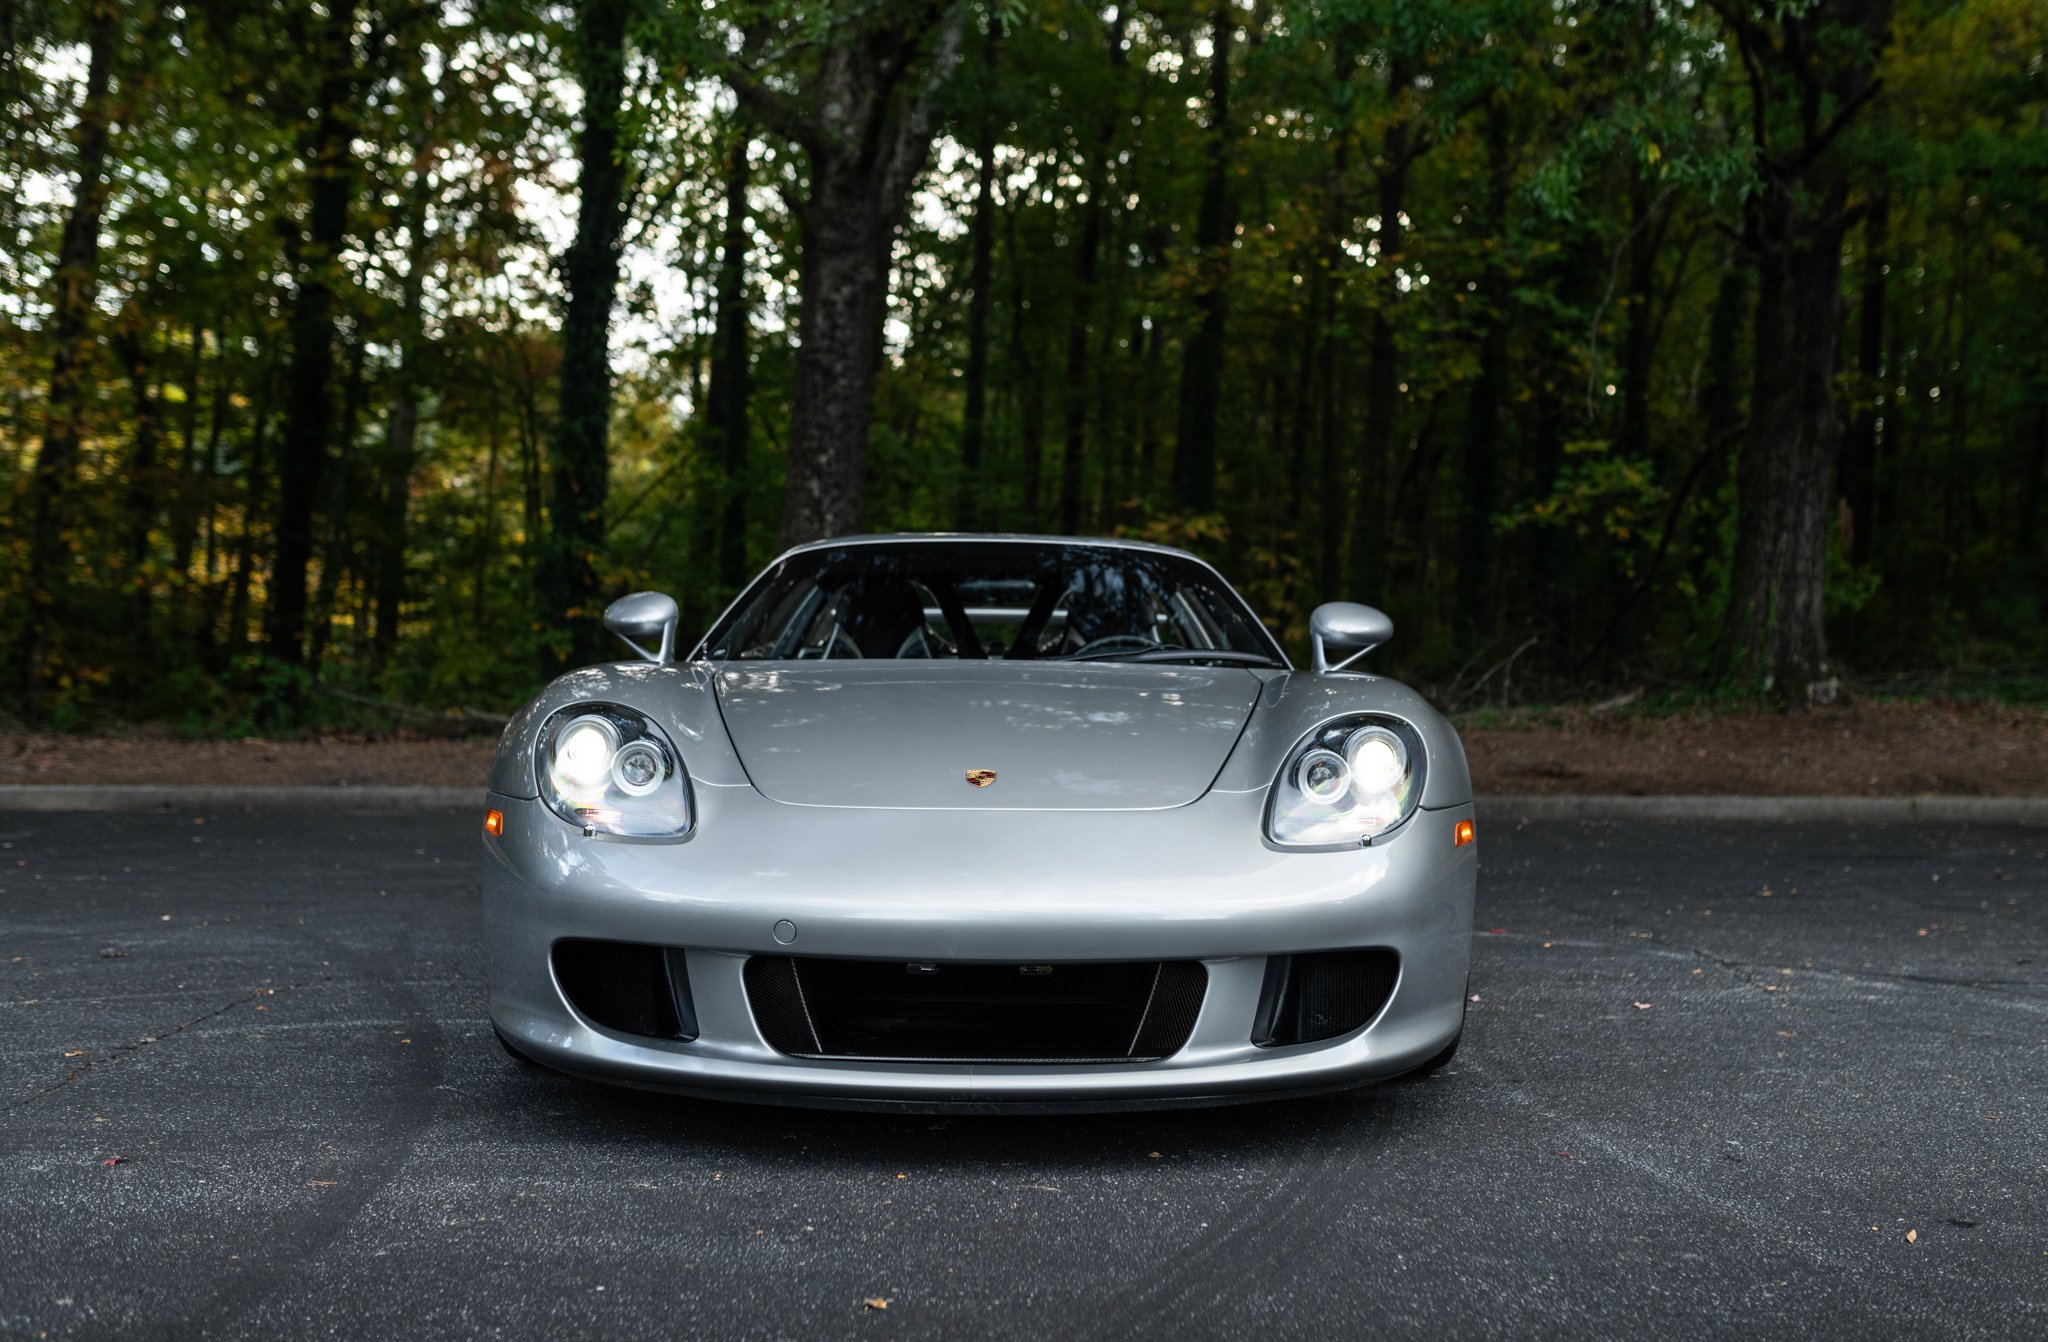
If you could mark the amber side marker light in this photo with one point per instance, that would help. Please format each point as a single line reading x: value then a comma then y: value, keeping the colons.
x: 1459, y: 839
x: 494, y: 823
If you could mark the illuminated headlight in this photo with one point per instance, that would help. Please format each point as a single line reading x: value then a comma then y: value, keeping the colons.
x: 1346, y: 783
x: 609, y: 770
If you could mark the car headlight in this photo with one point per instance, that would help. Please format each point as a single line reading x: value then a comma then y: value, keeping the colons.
x: 609, y: 770
x: 1346, y: 783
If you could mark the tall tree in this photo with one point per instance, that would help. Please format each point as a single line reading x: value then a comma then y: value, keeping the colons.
x: 1201, y: 375
x: 309, y: 400
x: 731, y: 380
x: 399, y: 453
x: 972, y: 507
x: 78, y: 280
x: 566, y: 583
x: 1087, y: 257
x: 863, y: 113
x: 1810, y: 70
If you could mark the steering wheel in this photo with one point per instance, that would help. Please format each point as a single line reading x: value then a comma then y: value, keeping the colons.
x: 1115, y: 643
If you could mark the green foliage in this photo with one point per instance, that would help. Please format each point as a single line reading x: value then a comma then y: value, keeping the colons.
x: 1562, y: 403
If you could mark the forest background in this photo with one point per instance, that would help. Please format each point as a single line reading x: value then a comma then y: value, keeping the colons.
x: 360, y: 351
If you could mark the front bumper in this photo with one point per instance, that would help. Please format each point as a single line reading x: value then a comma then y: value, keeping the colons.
x: 1191, y: 883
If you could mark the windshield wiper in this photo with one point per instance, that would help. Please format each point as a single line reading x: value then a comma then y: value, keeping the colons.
x: 1172, y: 653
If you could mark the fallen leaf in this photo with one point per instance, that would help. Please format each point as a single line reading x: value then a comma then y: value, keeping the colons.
x: 1912, y: 1237
x: 876, y: 1302
x: 74, y: 1053
x: 1496, y: 931
x: 1152, y: 1155
x: 121, y: 1159
x: 1788, y: 1034
x: 319, y: 1183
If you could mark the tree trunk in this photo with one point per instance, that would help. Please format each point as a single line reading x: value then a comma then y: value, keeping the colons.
x: 184, y: 511
x: 1648, y: 218
x: 1485, y: 420
x: 401, y: 428
x: 866, y: 129
x: 1785, y: 478
x: 1860, y: 447
x: 1201, y: 390
x: 146, y: 409
x: 971, y: 509
x: 487, y: 542
x: 567, y: 583
x: 1023, y: 368
x: 308, y: 427
x: 1087, y: 257
x: 731, y: 378
x: 77, y: 286
x: 338, y: 559
x: 253, y: 490
x: 206, y: 502
x: 1794, y: 220
x: 1373, y: 535
x: 844, y: 292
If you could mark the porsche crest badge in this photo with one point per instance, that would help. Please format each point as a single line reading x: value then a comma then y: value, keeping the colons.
x: 981, y: 777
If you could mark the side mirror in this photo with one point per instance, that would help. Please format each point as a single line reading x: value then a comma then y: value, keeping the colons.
x: 1346, y: 627
x: 645, y: 617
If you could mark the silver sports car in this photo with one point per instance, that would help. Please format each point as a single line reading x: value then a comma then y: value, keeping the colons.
x: 982, y: 822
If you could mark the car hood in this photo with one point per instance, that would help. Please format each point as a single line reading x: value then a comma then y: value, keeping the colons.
x: 1103, y: 737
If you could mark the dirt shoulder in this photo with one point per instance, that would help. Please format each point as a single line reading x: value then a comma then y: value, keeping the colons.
x: 1867, y: 749
x: 1878, y: 749
x: 31, y: 758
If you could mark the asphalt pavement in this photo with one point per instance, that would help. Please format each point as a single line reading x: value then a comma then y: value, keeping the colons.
x: 1719, y: 1080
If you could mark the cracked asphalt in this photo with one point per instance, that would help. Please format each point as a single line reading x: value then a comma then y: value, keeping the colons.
x: 1720, y: 1080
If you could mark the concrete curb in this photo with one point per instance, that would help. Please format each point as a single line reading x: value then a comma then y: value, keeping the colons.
x: 368, y: 800
x: 1841, y: 810
x: 394, y: 800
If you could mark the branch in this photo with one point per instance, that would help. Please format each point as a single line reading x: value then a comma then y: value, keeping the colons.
x: 913, y: 139
x: 1817, y: 146
x: 460, y: 714
x: 1708, y: 454
x: 775, y: 110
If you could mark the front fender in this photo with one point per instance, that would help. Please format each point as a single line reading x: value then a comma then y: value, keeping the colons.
x: 1296, y: 701
x: 678, y: 698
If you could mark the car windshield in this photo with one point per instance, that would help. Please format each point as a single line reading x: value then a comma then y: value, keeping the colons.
x: 1014, y: 600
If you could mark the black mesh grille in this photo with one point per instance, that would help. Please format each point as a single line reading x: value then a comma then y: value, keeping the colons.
x: 923, y: 1011
x: 1323, y: 995
x: 778, y: 1002
x: 624, y: 986
x: 1176, y: 1001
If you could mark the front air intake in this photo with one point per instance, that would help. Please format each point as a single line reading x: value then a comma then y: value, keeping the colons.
x: 949, y: 1011
x: 1323, y: 995
x: 627, y: 987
